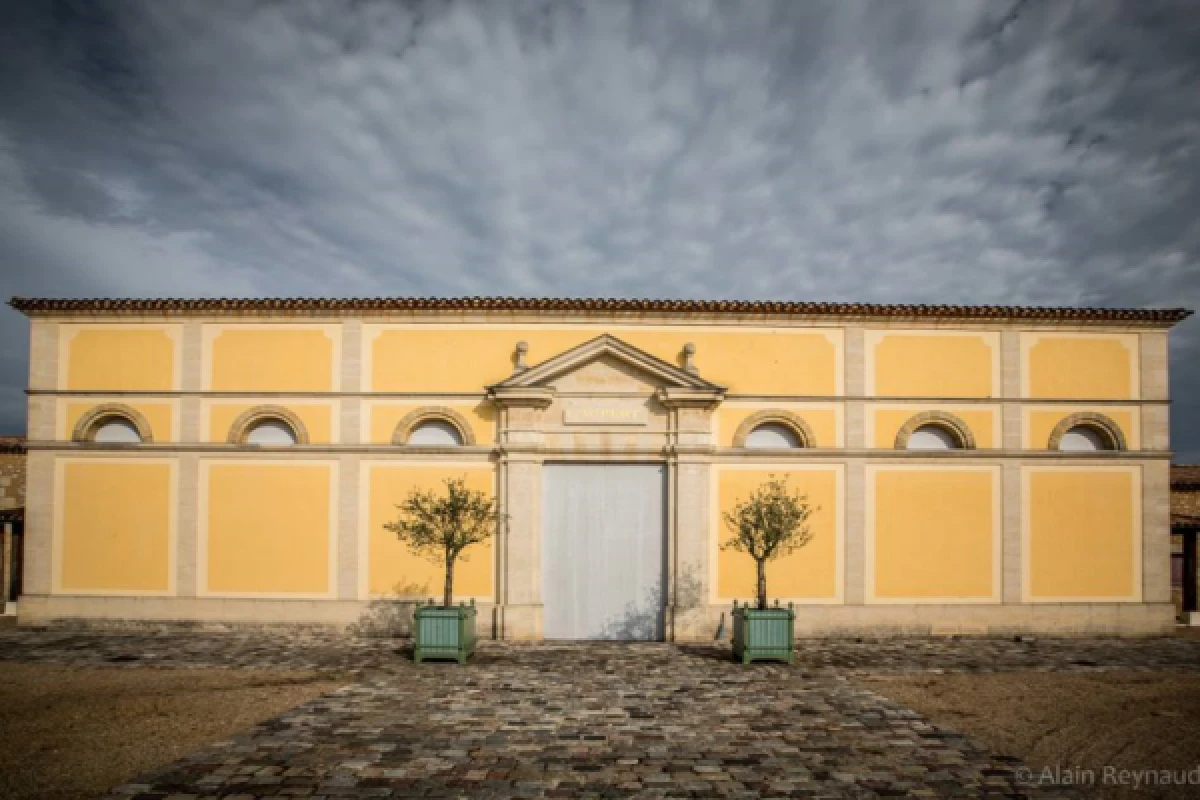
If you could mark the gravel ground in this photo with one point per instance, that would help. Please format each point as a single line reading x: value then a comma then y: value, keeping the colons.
x: 72, y: 732
x: 1069, y: 721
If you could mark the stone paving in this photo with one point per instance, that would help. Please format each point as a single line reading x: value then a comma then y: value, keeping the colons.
x: 590, y: 720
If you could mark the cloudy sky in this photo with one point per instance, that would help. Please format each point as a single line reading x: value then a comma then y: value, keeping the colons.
x: 973, y: 152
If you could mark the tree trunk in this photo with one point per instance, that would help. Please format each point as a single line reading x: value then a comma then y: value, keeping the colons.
x: 762, y: 585
x: 448, y: 597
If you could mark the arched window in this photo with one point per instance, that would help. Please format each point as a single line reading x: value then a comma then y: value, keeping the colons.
x: 272, y: 426
x: 934, y: 430
x: 772, y: 436
x: 773, y: 429
x: 271, y: 432
x: 117, y: 430
x: 113, y: 423
x: 435, y: 433
x: 1082, y: 439
x: 434, y: 426
x: 1086, y: 432
x: 932, y: 437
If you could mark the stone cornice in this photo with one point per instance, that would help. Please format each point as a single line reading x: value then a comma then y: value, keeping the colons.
x: 578, y: 307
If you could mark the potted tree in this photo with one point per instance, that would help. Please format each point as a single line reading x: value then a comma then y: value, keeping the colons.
x: 439, y: 527
x: 771, y: 522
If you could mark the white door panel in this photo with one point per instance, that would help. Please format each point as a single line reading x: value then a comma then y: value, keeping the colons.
x: 603, y: 537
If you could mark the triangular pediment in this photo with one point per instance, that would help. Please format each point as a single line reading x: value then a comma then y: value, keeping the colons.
x: 606, y: 364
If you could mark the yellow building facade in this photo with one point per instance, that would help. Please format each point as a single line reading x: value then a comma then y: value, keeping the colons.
x: 974, y: 469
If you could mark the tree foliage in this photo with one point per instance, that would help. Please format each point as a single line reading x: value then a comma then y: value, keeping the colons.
x: 439, y: 526
x: 771, y: 522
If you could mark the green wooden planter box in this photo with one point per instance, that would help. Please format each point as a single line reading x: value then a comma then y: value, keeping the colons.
x: 440, y: 632
x: 764, y: 635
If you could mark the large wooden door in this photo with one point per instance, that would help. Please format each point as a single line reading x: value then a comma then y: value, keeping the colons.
x: 603, y: 540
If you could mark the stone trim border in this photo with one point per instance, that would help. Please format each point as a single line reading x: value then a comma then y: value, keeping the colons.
x: 951, y: 423
x: 242, y: 426
x: 803, y: 433
x: 1093, y: 421
x: 90, y: 422
x: 413, y: 419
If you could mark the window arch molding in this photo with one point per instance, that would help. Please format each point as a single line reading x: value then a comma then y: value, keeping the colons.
x: 248, y: 419
x: 948, y: 422
x: 1100, y: 424
x: 95, y: 418
x: 414, y: 419
x: 799, y: 428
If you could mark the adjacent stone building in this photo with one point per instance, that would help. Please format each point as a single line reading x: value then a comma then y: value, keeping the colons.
x: 12, y: 519
x: 1185, y: 528
x: 976, y: 469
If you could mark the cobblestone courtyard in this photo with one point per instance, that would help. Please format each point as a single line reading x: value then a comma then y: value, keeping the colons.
x: 607, y: 720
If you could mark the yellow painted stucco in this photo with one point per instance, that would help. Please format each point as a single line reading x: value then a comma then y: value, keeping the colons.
x: 822, y: 421
x: 317, y: 418
x: 277, y: 359
x: 929, y: 365
x: 1040, y: 424
x: 1093, y: 368
x: 116, y: 526
x: 392, y: 567
x: 467, y: 359
x: 159, y: 415
x: 1082, y: 528
x: 931, y: 533
x: 810, y: 573
x: 268, y: 528
x: 480, y: 415
x: 888, y: 421
x: 120, y: 358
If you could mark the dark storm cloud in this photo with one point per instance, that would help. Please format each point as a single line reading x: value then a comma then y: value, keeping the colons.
x: 892, y: 151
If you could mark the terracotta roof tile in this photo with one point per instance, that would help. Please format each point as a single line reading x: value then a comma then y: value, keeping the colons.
x: 33, y: 306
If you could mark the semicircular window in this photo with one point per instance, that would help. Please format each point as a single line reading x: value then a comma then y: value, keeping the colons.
x: 117, y: 430
x: 1083, y: 439
x: 772, y: 436
x: 435, y: 433
x: 932, y: 437
x: 271, y: 432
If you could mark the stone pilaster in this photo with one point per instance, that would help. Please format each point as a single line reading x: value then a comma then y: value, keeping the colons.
x: 1012, y: 423
x: 348, y: 529
x: 1153, y: 360
x: 855, y: 575
x: 192, y: 377
x: 1011, y: 567
x: 42, y: 411
x: 521, y: 612
x: 39, y: 522
x: 350, y: 377
x: 187, y: 525
x: 1156, y: 532
x: 693, y: 549
x: 854, y: 377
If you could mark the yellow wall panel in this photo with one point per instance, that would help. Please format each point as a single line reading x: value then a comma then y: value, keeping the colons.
x: 482, y: 417
x: 888, y: 422
x: 393, y: 568
x: 467, y: 359
x: 1094, y: 368
x: 934, y: 366
x: 317, y: 419
x: 1042, y: 423
x: 272, y: 360
x: 934, y: 534
x: 159, y: 415
x: 120, y: 358
x: 116, y: 526
x: 822, y: 421
x: 810, y: 573
x: 269, y: 528
x: 1083, y: 533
